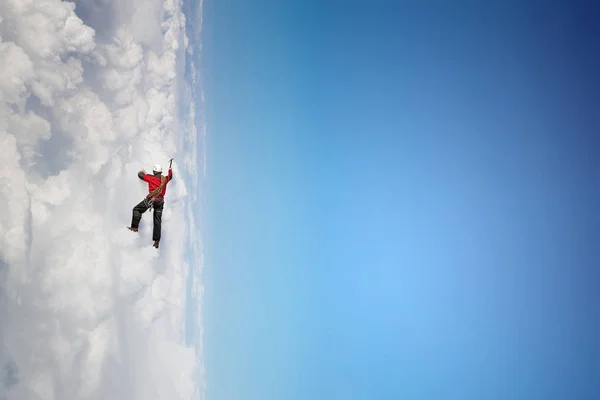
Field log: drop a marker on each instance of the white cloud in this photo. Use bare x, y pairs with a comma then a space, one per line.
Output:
88, 96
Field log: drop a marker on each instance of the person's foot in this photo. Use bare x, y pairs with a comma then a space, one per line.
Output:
155, 244
132, 229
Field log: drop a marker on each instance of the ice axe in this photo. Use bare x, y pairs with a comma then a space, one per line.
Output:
170, 162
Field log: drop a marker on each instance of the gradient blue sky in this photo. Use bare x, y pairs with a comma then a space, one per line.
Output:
402, 200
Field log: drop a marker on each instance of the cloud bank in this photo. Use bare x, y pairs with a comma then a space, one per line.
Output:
88, 96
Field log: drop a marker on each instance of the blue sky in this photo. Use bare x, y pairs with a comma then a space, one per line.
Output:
401, 200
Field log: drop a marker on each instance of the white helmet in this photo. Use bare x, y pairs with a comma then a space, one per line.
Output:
157, 169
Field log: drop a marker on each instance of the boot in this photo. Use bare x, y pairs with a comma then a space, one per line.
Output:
156, 244
132, 229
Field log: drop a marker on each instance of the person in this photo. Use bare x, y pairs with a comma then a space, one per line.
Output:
157, 188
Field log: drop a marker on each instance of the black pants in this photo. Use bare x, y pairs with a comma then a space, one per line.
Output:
141, 208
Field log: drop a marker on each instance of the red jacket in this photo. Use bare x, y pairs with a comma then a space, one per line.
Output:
154, 181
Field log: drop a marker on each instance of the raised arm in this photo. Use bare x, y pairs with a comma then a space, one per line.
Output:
170, 175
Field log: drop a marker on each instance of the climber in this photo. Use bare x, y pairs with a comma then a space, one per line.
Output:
157, 187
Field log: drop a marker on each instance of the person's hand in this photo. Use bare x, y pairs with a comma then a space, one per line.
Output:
142, 171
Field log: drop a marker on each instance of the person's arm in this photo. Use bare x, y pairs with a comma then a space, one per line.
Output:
142, 175
170, 176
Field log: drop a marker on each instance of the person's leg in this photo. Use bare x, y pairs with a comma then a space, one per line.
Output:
138, 210
158, 209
